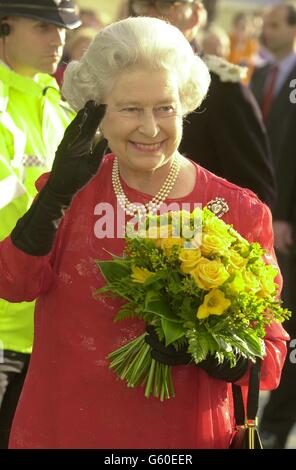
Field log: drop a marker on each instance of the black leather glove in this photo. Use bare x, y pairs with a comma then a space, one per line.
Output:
224, 371
74, 165
76, 162
165, 354
169, 356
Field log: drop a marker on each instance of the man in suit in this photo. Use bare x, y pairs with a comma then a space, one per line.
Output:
226, 134
272, 86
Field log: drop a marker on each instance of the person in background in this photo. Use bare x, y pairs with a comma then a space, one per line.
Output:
263, 55
32, 123
244, 45
272, 86
75, 46
90, 18
211, 7
137, 100
226, 135
78, 40
215, 41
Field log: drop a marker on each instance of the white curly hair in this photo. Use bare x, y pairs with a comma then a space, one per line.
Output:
143, 41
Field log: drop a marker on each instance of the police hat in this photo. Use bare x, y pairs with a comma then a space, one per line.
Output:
63, 13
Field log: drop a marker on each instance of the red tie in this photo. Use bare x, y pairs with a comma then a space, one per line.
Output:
268, 96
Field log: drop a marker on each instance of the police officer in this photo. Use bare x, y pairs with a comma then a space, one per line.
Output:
32, 122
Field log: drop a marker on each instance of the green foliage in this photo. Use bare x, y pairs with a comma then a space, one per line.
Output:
151, 278
114, 270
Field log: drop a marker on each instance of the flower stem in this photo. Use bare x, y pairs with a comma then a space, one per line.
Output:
150, 379
134, 364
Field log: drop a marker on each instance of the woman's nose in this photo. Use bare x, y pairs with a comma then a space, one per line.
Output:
149, 125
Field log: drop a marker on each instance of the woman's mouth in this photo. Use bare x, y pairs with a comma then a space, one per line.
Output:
147, 147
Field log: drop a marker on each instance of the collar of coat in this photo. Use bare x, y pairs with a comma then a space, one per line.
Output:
29, 86
226, 71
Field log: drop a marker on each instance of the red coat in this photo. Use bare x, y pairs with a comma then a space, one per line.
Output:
71, 399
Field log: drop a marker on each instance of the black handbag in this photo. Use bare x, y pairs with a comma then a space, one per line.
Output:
246, 434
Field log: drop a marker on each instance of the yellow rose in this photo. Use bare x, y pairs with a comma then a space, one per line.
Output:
166, 244
252, 282
162, 231
215, 303
236, 285
213, 244
140, 275
184, 225
236, 261
243, 248
189, 259
215, 226
209, 274
267, 283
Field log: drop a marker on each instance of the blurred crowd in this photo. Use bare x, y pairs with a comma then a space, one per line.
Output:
241, 43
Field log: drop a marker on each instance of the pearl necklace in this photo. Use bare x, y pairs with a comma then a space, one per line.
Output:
154, 204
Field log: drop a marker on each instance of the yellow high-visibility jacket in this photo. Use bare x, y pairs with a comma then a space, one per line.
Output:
32, 123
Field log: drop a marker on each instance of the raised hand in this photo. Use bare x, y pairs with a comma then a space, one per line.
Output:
76, 160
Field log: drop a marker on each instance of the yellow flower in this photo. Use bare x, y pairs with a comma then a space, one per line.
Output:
209, 274
236, 285
243, 248
236, 261
213, 244
157, 233
215, 226
189, 259
162, 231
140, 275
166, 244
268, 285
215, 303
252, 283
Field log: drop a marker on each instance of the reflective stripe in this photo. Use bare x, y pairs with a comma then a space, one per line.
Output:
10, 189
19, 139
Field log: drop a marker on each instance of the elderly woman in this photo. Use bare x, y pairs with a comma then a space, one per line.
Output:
136, 82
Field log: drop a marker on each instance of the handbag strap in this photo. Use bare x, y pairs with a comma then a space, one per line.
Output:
253, 396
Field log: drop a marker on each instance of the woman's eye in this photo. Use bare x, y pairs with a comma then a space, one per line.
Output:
166, 109
131, 109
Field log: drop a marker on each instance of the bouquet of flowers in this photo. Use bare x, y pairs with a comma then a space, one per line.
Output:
202, 286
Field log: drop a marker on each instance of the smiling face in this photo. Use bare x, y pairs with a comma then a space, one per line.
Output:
143, 121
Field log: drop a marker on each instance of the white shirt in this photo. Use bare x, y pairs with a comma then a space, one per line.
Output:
285, 66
